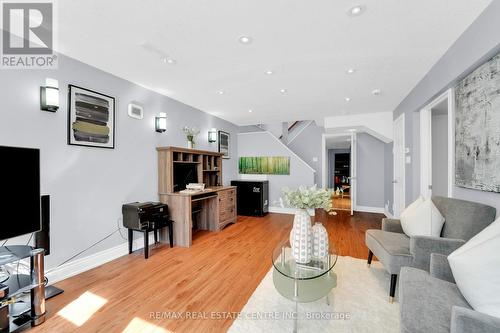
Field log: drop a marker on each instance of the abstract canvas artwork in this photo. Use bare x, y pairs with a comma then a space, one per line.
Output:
224, 139
266, 165
91, 118
477, 131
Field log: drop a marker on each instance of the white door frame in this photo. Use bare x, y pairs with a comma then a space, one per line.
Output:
353, 170
399, 201
324, 173
426, 143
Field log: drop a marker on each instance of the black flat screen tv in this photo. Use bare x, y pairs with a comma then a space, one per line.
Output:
184, 173
19, 191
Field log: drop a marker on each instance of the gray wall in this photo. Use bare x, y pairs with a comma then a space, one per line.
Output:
370, 171
476, 45
265, 144
371, 164
89, 185
440, 155
308, 146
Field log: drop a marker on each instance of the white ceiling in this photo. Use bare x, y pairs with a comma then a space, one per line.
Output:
308, 44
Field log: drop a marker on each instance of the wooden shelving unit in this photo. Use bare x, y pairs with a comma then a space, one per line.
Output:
208, 166
211, 209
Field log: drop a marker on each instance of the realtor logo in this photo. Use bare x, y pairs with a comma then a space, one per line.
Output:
28, 35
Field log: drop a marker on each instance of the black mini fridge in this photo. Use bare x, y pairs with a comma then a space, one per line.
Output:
252, 197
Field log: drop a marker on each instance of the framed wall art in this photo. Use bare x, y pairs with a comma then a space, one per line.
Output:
91, 118
224, 144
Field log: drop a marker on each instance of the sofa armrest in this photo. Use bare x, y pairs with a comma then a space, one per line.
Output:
421, 248
466, 320
440, 268
392, 225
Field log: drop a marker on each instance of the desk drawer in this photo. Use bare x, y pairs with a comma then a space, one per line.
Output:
227, 195
226, 212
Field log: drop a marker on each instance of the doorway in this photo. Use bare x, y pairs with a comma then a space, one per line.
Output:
339, 168
436, 147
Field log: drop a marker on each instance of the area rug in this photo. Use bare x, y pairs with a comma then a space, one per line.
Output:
359, 303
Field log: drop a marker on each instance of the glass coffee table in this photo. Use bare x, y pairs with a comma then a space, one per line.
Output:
303, 283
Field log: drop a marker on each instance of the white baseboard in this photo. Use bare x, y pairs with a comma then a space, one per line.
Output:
81, 265
282, 210
367, 209
388, 214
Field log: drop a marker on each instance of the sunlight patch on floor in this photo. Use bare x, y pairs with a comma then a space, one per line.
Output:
82, 308
142, 326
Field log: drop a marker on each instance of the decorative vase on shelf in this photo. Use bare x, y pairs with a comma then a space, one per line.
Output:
301, 237
190, 144
320, 241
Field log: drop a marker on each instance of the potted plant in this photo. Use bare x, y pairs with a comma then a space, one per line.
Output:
308, 241
191, 133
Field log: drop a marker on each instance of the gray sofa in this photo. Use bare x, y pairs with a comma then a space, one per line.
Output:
433, 303
463, 220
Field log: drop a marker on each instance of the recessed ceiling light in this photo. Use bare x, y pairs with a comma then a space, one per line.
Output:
351, 71
221, 92
283, 91
356, 10
250, 111
269, 72
168, 60
245, 40
376, 92
352, 130
347, 99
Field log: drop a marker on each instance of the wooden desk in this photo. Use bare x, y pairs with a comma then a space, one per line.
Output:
218, 209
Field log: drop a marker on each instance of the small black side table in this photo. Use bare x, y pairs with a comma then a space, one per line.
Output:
154, 227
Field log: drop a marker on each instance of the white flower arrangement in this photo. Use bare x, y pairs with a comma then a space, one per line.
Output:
191, 133
309, 198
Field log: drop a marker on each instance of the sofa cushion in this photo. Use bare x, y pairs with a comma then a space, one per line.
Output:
423, 219
391, 248
426, 302
476, 269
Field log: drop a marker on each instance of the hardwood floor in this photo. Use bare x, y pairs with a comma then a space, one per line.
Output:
341, 203
217, 274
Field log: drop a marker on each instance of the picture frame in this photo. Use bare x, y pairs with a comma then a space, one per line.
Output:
224, 141
91, 118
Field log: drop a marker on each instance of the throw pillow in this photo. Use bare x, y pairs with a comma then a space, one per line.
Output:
411, 207
423, 219
476, 269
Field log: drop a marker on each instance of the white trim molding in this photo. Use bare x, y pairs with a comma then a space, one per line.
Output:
81, 265
426, 144
367, 209
296, 133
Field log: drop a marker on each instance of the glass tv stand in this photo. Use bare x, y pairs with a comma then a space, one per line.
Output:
22, 296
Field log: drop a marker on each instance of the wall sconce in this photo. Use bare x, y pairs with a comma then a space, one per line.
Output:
49, 96
161, 122
212, 135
